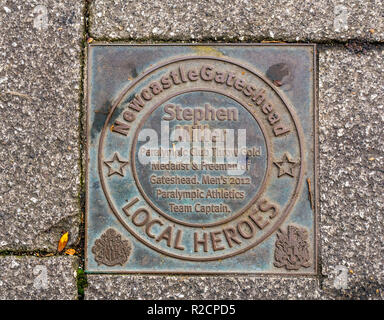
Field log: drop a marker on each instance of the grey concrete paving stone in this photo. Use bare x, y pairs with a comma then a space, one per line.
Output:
32, 278
108, 287
286, 20
351, 121
40, 46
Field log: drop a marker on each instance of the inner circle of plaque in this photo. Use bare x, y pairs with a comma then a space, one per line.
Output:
287, 201
256, 174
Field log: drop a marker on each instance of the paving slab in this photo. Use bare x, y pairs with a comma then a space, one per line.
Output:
32, 278
351, 142
40, 76
108, 287
351, 121
242, 20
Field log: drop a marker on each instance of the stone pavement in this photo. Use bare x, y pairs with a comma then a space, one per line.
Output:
40, 173
242, 20
42, 50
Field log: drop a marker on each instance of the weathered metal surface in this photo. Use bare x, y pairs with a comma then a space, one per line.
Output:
201, 159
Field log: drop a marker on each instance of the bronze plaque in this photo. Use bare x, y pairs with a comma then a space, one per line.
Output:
201, 159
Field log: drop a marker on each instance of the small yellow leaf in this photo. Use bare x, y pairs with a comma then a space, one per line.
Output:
71, 252
62, 242
49, 254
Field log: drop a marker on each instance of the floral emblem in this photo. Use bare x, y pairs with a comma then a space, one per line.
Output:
111, 249
292, 249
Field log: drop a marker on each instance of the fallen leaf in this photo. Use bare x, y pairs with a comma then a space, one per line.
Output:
62, 242
49, 255
71, 252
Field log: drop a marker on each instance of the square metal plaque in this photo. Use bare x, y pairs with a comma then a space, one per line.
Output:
201, 159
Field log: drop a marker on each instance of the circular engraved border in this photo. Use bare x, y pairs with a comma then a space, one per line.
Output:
282, 216
165, 215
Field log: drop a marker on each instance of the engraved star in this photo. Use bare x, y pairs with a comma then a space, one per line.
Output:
114, 163
286, 166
